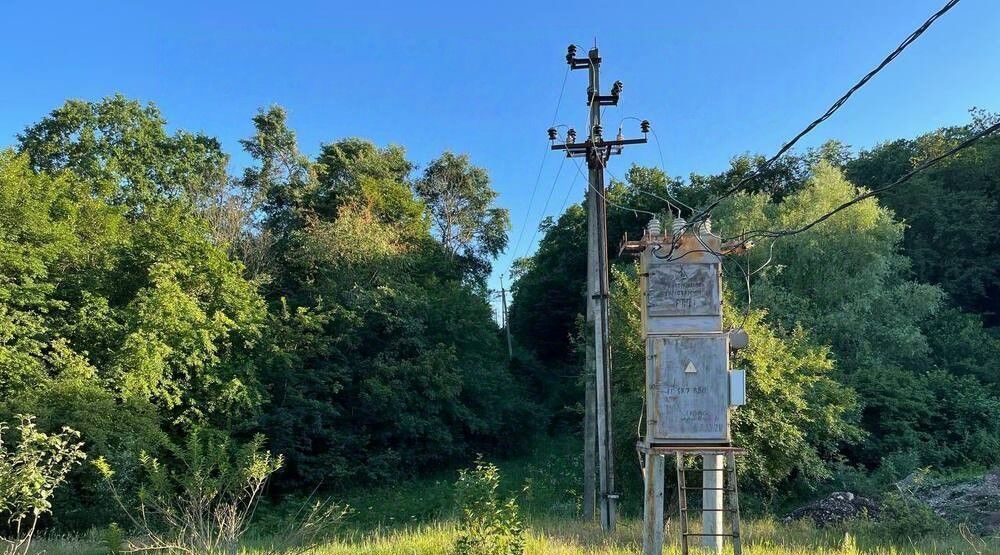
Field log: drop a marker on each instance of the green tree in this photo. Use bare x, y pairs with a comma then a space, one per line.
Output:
378, 349
950, 211
121, 328
355, 170
848, 282
121, 148
283, 179
461, 206
551, 278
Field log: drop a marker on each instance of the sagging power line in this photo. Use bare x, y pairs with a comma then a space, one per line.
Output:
774, 234
705, 212
538, 177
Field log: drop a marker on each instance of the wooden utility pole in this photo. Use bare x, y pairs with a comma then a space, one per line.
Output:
597, 152
506, 325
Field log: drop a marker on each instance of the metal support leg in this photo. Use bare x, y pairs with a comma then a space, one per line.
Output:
682, 509
734, 502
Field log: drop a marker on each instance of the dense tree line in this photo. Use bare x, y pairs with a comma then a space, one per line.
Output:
336, 304
868, 340
950, 211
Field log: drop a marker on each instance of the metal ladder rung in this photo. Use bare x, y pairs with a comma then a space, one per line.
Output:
729, 486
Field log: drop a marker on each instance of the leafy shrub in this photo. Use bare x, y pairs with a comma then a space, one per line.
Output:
488, 525
113, 539
113, 429
872, 483
29, 474
205, 503
905, 516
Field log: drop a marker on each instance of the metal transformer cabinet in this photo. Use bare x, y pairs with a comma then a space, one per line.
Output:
690, 389
687, 351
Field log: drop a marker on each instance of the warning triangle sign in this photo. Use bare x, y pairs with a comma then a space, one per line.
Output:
690, 368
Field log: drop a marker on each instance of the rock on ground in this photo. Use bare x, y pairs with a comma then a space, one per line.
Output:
836, 507
975, 502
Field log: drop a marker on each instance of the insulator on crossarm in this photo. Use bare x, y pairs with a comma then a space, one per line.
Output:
644, 126
571, 136
679, 225
706, 226
570, 53
654, 228
553, 134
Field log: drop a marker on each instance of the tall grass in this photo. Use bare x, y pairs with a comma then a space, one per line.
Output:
564, 536
418, 518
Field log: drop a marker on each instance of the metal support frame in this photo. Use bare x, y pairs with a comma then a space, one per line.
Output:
653, 475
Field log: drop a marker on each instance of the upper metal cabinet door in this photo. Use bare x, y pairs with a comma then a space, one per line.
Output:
683, 289
683, 297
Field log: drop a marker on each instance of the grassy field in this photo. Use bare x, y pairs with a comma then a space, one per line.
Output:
571, 537
418, 518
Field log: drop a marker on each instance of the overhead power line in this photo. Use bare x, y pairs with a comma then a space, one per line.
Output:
830, 111
744, 238
774, 234
569, 191
565, 200
541, 166
605, 198
545, 207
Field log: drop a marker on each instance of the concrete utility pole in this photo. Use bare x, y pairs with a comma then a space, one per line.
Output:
711, 500
590, 383
597, 152
506, 326
598, 244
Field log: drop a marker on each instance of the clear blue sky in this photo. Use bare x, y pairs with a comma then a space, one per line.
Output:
716, 78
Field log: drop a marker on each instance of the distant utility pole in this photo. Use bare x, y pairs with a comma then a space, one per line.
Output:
597, 152
506, 326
